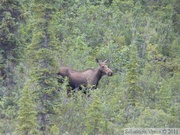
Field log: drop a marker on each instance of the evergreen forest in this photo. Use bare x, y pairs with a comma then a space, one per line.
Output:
141, 40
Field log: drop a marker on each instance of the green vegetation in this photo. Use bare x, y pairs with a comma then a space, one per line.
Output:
141, 39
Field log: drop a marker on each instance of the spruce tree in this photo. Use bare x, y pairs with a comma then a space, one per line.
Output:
27, 114
133, 89
11, 51
94, 117
42, 52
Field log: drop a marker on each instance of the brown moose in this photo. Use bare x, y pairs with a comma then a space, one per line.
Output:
85, 79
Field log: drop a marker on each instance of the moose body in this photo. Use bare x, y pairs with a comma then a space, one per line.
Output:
88, 78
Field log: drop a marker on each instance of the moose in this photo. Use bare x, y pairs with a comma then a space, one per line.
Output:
85, 79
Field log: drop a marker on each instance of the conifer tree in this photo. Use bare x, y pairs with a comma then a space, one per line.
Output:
133, 90
27, 121
10, 54
9, 48
42, 53
94, 117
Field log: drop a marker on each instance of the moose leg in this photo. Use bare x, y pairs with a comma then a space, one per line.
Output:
69, 89
91, 88
68, 93
77, 88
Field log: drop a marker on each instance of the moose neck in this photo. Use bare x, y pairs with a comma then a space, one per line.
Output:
99, 74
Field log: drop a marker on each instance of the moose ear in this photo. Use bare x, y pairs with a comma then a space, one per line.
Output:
106, 61
97, 60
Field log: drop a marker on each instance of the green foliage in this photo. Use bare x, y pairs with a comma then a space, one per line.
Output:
140, 39
94, 117
152, 118
27, 121
133, 90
